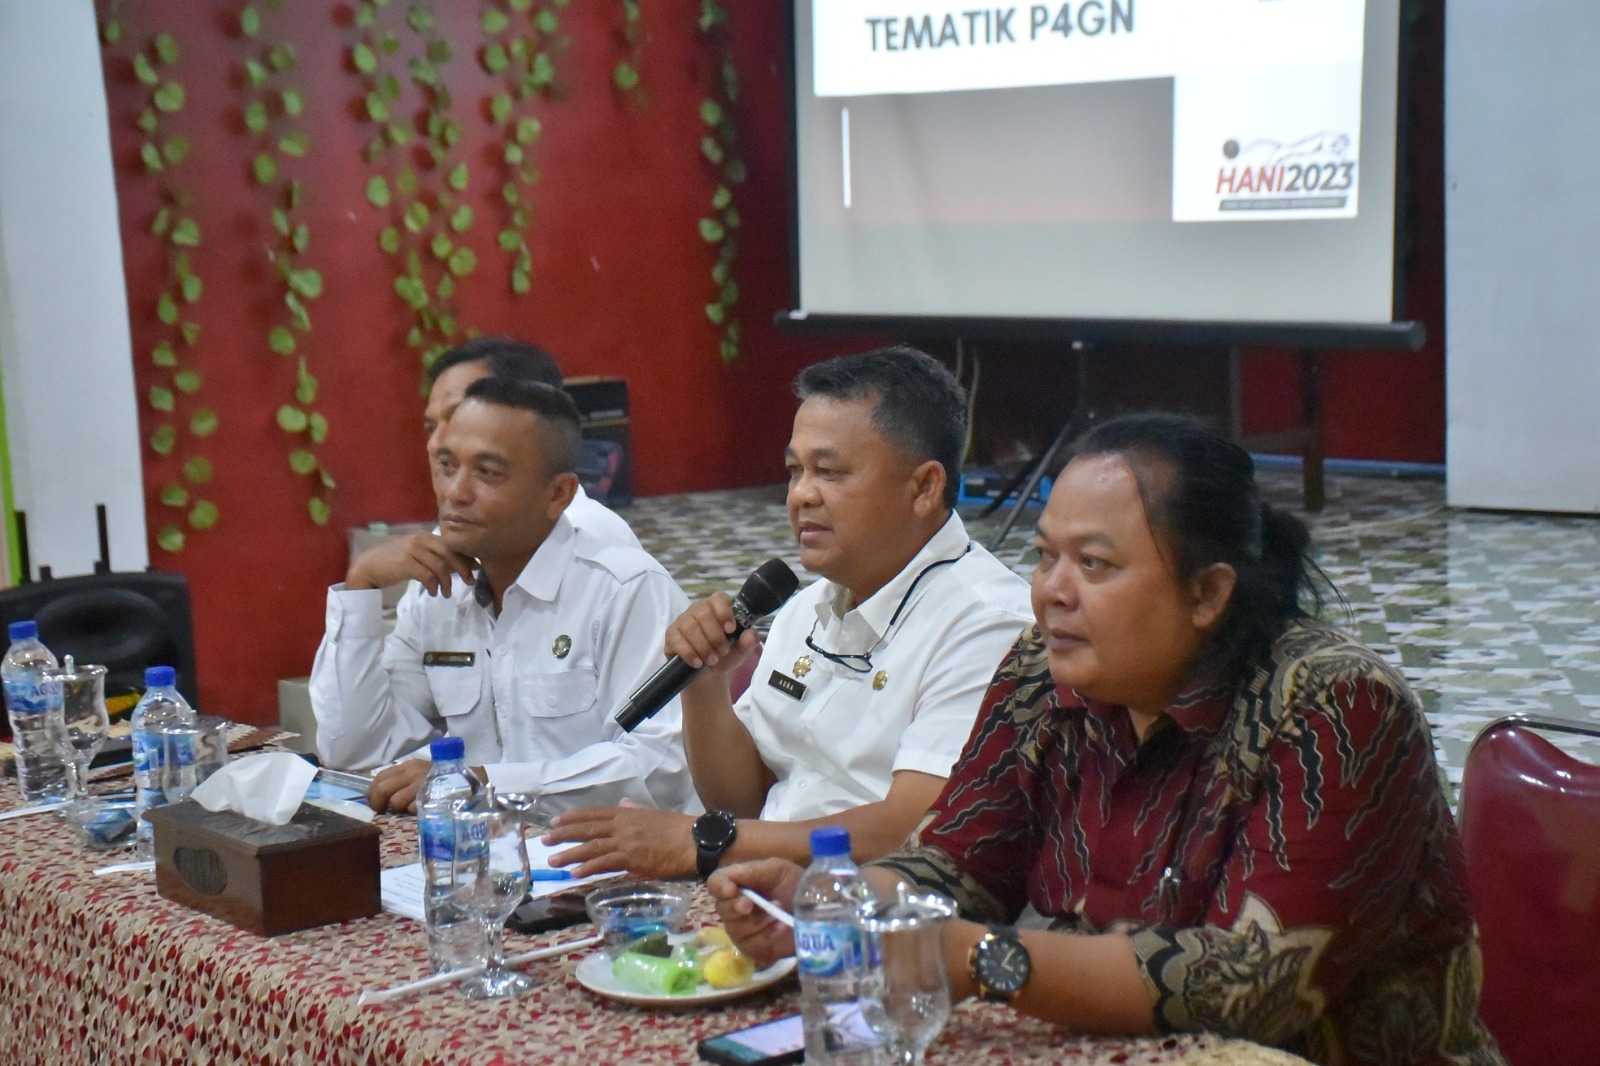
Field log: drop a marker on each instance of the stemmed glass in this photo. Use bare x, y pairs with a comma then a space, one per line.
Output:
905, 992
490, 879
77, 727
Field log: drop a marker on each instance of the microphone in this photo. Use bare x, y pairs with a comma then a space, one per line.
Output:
764, 591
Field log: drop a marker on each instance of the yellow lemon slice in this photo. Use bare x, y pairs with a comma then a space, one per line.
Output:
729, 968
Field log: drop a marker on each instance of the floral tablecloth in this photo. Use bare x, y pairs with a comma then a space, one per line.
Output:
100, 969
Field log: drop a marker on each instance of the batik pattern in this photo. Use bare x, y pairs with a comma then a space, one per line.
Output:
1279, 851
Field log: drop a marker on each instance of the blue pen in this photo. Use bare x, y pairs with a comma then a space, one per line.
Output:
552, 875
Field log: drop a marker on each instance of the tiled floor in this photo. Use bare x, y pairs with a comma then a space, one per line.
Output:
1486, 613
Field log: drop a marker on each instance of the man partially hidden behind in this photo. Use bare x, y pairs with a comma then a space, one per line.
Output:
423, 557
871, 678
527, 657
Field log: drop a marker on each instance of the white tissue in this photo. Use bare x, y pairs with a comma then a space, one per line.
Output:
267, 787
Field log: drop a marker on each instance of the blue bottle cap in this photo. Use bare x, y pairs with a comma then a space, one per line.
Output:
448, 749
830, 840
160, 676
23, 630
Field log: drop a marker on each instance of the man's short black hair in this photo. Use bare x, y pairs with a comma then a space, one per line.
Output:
507, 358
918, 406
563, 439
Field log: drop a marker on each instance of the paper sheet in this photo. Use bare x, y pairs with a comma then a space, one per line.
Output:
402, 886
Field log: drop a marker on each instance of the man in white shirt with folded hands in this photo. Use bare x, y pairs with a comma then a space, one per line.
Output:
545, 632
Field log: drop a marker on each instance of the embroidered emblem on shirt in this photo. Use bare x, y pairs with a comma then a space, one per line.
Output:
787, 685
561, 646
802, 666
880, 679
448, 658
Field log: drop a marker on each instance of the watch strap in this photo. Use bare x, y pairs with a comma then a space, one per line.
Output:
708, 855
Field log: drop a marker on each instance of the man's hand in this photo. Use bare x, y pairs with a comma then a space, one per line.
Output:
421, 557
758, 934
641, 840
700, 635
395, 789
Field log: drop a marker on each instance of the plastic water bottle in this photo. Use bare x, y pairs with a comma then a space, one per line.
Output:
831, 951
40, 771
455, 938
162, 705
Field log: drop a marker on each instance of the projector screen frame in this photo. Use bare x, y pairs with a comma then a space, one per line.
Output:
1397, 335
1402, 336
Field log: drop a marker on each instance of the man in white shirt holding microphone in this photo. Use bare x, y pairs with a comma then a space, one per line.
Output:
870, 679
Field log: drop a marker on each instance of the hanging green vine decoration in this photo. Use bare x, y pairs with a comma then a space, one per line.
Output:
625, 76
274, 103
523, 56
174, 393
433, 222
718, 146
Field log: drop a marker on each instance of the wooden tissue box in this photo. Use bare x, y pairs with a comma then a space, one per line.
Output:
319, 869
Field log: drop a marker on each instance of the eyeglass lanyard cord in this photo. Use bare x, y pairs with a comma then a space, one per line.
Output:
894, 618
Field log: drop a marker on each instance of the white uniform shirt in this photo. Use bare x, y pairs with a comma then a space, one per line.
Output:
591, 515
586, 515
837, 745
532, 692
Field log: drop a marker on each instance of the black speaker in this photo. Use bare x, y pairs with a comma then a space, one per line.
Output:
124, 622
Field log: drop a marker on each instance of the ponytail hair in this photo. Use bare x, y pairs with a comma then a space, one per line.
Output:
1200, 497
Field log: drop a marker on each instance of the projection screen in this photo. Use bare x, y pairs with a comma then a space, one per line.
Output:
1190, 161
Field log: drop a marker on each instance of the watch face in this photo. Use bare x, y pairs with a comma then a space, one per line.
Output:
1003, 966
713, 831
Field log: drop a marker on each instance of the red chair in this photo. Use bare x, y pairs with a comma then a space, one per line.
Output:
1530, 825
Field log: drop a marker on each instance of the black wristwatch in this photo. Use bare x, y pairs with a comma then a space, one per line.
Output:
713, 833
999, 965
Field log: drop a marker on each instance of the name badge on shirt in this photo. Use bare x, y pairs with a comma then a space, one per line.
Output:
448, 658
787, 685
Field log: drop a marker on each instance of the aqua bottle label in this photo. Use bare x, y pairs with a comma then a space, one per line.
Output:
146, 754
32, 696
827, 949
437, 832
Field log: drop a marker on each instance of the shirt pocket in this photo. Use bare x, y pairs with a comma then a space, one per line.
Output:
556, 694
456, 689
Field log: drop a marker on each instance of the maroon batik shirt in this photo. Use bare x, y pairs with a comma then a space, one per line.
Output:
1280, 853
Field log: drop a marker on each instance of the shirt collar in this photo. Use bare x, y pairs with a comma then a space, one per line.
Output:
541, 578
1201, 706
948, 543
1198, 710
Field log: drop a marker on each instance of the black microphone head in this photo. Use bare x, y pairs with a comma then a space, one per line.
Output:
768, 587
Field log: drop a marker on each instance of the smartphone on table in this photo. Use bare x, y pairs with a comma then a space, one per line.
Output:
783, 1040
544, 913
768, 1044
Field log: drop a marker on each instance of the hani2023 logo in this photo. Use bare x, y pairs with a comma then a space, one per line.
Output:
1315, 172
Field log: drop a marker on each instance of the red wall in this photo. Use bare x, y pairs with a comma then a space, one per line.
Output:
620, 278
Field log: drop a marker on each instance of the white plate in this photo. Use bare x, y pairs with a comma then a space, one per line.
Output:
594, 973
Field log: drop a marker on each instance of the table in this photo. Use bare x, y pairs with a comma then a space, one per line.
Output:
102, 969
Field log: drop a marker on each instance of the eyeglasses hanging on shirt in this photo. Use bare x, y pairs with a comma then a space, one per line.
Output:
862, 663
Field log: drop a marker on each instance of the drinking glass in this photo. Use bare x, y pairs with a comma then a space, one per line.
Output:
77, 729
905, 992
190, 753
525, 805
490, 879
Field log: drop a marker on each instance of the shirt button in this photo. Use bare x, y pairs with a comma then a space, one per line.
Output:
551, 700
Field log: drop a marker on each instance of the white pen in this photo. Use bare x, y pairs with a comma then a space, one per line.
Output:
767, 905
